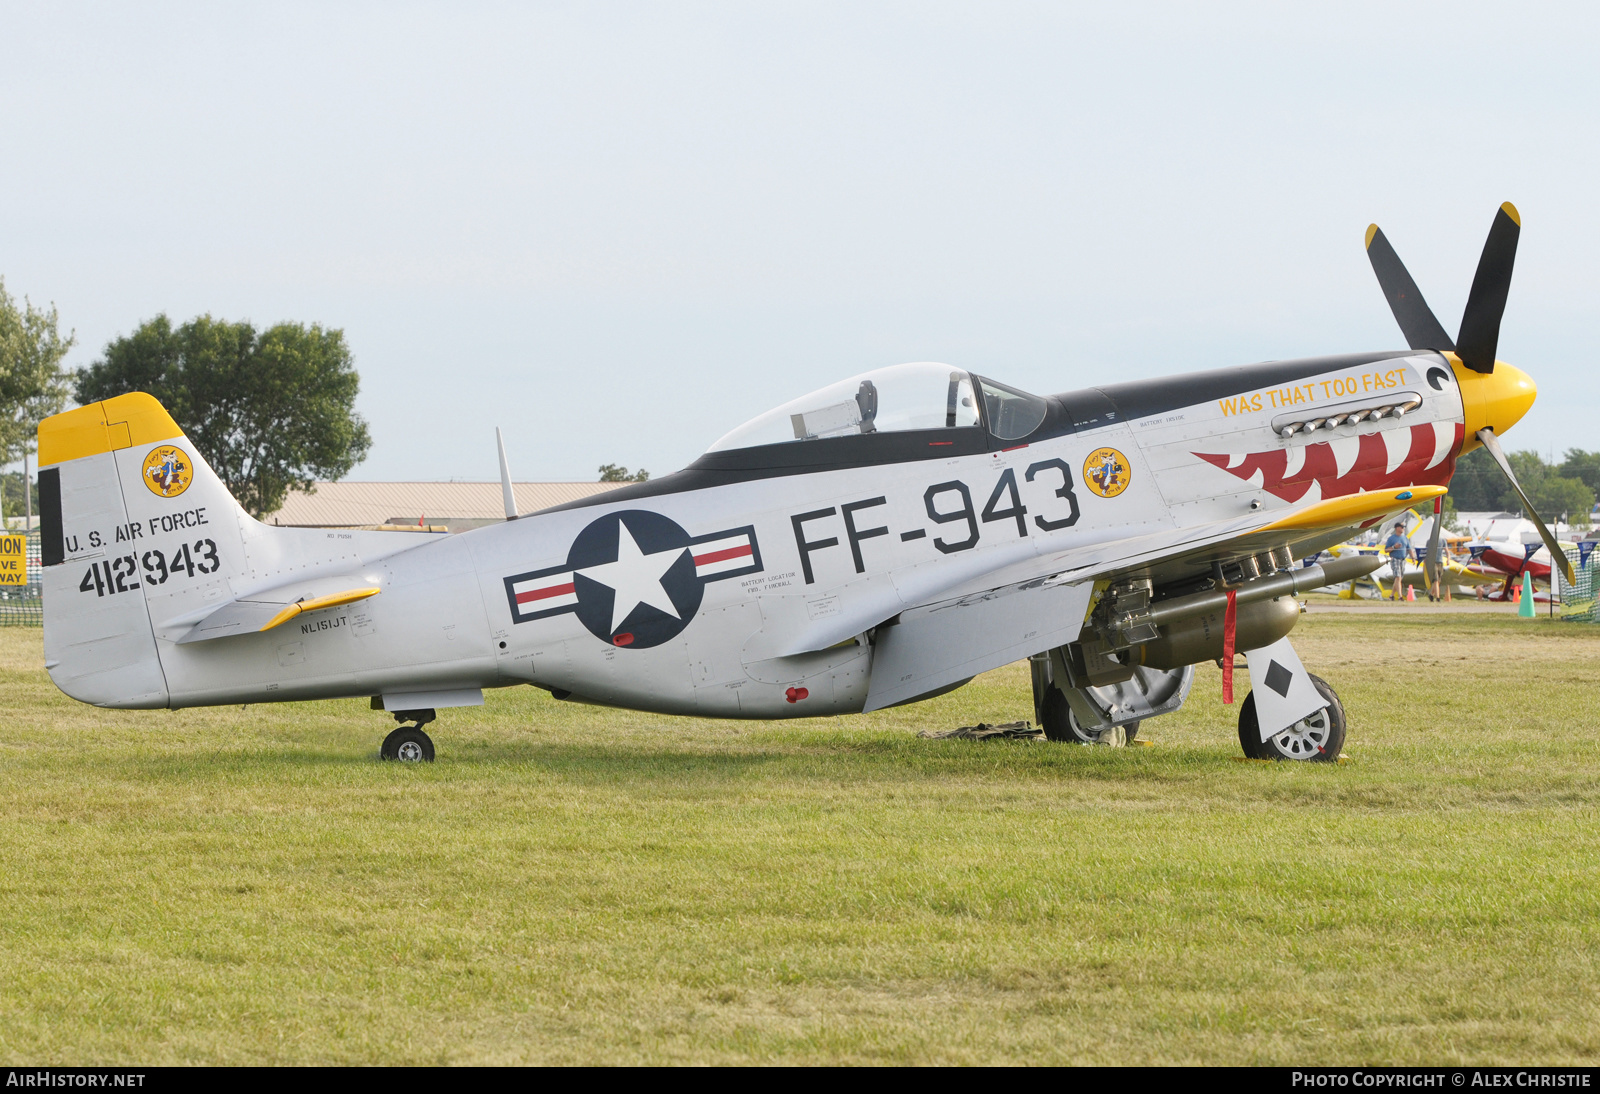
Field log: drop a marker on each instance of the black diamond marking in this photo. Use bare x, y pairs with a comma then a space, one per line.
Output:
1278, 679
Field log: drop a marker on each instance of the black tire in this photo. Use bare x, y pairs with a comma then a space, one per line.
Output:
1055, 716
1250, 729
408, 744
1059, 723
1318, 739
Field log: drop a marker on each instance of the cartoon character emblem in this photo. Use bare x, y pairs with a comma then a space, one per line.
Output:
1106, 472
634, 578
168, 471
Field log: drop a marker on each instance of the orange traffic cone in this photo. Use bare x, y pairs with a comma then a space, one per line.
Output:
1411, 593
1516, 594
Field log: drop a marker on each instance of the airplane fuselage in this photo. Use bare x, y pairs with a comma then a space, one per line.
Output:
745, 585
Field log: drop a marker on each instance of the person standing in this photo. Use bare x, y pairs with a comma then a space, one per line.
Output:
1441, 578
1396, 547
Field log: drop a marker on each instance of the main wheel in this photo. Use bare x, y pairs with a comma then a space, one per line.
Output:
1060, 724
408, 744
1318, 737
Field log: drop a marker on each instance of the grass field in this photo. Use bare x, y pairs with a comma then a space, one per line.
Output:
571, 884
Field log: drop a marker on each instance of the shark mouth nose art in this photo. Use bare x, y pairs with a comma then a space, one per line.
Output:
1422, 455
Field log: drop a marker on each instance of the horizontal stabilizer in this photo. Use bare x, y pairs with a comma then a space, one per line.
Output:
269, 608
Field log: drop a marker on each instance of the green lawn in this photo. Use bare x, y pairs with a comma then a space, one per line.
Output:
571, 884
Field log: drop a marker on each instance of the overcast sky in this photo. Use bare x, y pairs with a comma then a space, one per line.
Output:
619, 230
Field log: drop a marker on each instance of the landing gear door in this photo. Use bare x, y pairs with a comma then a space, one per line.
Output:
1282, 688
935, 646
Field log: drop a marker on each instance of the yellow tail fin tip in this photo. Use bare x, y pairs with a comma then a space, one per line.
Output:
121, 422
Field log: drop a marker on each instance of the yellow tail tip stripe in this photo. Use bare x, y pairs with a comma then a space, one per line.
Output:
121, 422
1510, 210
349, 596
1372, 230
1356, 508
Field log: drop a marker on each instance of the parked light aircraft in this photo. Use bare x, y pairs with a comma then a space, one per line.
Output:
1453, 562
1508, 547
873, 543
1379, 585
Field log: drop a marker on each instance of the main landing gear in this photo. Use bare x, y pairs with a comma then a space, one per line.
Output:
1317, 738
1060, 723
409, 744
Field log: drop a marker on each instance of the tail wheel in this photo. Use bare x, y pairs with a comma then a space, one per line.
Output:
408, 744
1318, 738
1060, 724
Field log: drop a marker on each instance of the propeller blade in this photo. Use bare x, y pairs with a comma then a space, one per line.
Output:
1434, 568
1480, 323
1557, 555
1416, 319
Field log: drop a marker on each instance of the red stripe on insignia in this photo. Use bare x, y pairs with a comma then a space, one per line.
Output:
545, 593
718, 556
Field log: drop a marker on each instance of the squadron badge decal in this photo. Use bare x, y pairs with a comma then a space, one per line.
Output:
634, 578
1106, 472
168, 471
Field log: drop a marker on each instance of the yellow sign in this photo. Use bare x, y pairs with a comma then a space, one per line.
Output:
13, 560
1106, 472
168, 471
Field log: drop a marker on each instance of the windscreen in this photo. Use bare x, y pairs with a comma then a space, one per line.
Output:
1012, 414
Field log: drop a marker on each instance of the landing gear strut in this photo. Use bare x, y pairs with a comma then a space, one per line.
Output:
1103, 714
409, 744
1059, 722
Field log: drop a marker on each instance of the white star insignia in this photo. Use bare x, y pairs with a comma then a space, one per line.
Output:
635, 577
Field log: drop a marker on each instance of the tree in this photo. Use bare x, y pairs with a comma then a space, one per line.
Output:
1531, 471
612, 472
33, 384
12, 501
1579, 464
271, 410
1557, 497
1477, 483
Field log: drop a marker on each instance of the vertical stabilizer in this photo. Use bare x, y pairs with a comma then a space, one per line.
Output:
129, 512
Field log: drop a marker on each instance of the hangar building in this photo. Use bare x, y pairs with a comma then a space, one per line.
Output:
453, 506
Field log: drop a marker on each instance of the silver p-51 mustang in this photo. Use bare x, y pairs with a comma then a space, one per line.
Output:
876, 542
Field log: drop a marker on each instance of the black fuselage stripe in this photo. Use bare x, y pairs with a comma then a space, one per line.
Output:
1132, 400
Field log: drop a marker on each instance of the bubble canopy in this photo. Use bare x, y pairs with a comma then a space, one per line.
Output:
918, 396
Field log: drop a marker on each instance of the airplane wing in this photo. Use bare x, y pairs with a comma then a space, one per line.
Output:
952, 639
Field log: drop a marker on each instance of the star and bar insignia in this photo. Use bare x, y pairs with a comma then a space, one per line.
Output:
634, 578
